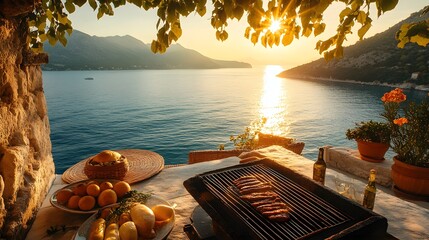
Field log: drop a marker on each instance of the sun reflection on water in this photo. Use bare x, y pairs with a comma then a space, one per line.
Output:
273, 104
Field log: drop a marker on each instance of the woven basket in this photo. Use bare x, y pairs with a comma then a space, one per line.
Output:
116, 171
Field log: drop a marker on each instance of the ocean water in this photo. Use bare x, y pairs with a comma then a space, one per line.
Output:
173, 112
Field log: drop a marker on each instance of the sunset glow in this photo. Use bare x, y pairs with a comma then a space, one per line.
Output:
275, 25
271, 104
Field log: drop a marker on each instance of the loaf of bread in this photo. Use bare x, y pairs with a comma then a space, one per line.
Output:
107, 164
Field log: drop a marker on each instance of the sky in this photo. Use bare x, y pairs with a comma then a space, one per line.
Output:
199, 35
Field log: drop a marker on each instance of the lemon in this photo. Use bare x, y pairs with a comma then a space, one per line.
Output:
144, 219
162, 212
128, 231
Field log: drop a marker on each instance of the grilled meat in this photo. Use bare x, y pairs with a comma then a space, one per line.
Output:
260, 195
271, 206
282, 217
256, 189
265, 201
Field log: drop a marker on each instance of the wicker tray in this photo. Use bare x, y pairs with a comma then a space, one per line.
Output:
143, 164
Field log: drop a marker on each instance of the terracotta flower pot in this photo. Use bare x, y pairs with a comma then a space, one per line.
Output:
410, 179
372, 151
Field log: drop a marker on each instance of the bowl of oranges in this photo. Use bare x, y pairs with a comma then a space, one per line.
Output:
88, 196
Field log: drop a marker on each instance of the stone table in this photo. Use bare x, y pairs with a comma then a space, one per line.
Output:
406, 220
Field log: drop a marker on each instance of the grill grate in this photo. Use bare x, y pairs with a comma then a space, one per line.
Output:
309, 213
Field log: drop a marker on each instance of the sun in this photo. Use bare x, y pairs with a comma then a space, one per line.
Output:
275, 25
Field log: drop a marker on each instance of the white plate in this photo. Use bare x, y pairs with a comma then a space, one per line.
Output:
54, 202
161, 232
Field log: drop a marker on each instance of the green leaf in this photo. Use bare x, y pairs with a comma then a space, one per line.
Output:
338, 52
70, 6
154, 46
100, 13
254, 38
420, 40
308, 30
201, 10
43, 37
176, 29
52, 40
224, 35
361, 18
79, 3
247, 32
344, 13
328, 55
93, 4
362, 31
287, 38
42, 26
63, 19
386, 5
62, 39
264, 41
238, 12
319, 28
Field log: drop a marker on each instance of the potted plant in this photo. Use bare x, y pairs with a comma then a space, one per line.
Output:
372, 139
409, 125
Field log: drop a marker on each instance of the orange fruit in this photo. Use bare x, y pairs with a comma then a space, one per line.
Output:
86, 203
92, 181
107, 197
73, 202
64, 195
80, 189
121, 188
106, 185
93, 190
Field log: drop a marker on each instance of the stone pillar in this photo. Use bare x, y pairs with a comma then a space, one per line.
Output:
26, 164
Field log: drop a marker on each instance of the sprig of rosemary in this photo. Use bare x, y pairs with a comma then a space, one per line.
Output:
125, 204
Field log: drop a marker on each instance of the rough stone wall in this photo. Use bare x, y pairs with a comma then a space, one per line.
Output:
26, 164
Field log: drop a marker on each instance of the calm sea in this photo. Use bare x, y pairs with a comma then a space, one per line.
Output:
173, 112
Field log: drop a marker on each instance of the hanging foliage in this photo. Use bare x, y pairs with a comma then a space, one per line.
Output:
295, 18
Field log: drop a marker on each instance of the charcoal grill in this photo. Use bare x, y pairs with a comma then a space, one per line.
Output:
316, 211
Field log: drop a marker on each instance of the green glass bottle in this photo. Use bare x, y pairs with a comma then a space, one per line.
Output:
319, 168
370, 190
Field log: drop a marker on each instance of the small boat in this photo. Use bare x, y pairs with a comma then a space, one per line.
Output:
89, 78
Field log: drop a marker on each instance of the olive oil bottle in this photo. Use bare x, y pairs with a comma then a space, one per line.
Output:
319, 168
370, 190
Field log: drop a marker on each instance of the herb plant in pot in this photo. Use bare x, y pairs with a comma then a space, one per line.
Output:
409, 126
372, 139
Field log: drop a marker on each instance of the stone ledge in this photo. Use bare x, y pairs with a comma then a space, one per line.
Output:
348, 160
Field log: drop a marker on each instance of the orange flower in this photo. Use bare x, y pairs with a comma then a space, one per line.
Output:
400, 121
395, 95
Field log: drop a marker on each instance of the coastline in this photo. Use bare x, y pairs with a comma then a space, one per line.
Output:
376, 83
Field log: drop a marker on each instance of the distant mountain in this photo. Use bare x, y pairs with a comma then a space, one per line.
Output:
85, 52
376, 59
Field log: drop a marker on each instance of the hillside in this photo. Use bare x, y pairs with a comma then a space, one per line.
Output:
85, 52
375, 59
